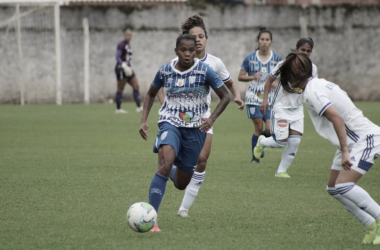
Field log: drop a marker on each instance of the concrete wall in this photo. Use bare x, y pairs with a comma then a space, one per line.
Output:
346, 45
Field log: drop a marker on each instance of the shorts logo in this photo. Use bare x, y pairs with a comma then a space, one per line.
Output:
180, 82
186, 116
163, 135
282, 123
352, 158
191, 79
375, 157
252, 110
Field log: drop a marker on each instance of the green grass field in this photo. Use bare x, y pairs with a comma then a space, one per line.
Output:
68, 175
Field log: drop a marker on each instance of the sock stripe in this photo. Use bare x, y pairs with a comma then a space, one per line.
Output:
198, 177
332, 192
344, 189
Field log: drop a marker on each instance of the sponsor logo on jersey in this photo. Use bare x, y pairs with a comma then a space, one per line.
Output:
163, 135
180, 82
282, 123
199, 72
192, 79
330, 85
165, 72
186, 116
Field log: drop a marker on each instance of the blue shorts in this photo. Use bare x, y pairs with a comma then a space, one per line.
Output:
121, 75
253, 111
186, 142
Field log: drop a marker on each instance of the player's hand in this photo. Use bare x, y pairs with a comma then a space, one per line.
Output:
264, 106
258, 75
346, 163
206, 124
144, 130
127, 70
240, 103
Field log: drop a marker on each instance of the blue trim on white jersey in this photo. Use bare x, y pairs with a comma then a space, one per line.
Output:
351, 134
204, 58
324, 108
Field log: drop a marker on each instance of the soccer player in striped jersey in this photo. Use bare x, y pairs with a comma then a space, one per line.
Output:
182, 121
339, 121
255, 69
125, 73
286, 115
195, 26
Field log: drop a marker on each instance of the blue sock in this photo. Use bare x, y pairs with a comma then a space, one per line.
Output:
157, 190
136, 96
118, 99
174, 168
254, 141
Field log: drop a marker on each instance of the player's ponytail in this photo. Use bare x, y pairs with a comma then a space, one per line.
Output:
191, 22
295, 71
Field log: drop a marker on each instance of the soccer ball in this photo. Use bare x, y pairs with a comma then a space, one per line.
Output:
141, 217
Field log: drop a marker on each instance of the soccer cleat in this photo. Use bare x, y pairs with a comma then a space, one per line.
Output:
183, 214
155, 228
121, 111
376, 241
370, 233
259, 149
139, 109
254, 160
282, 175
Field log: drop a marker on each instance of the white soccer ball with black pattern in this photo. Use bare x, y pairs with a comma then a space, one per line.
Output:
141, 217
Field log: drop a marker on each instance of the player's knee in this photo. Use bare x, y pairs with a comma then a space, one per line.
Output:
202, 162
180, 185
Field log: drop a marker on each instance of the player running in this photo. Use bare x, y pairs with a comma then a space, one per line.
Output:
339, 121
258, 65
125, 73
182, 122
286, 115
195, 26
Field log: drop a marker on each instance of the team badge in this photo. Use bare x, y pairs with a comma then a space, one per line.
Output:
180, 82
191, 79
264, 70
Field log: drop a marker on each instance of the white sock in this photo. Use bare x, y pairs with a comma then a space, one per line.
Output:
351, 207
289, 153
270, 142
192, 190
360, 197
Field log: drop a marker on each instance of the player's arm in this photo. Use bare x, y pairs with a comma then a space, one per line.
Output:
161, 96
243, 77
148, 102
224, 97
235, 92
267, 87
333, 116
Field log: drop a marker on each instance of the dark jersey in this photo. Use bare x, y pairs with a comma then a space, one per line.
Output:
124, 53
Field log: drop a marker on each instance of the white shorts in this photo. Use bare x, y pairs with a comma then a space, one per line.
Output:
363, 154
280, 127
210, 131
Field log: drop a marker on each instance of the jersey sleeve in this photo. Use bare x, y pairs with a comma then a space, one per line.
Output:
317, 101
212, 79
158, 81
245, 64
274, 70
223, 72
315, 71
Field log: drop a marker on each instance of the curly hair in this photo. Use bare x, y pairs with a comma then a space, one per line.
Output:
191, 22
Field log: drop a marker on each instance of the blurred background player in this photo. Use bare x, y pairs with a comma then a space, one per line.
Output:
255, 69
338, 120
125, 73
182, 125
286, 115
195, 26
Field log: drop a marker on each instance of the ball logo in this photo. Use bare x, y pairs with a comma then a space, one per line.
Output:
282, 123
163, 135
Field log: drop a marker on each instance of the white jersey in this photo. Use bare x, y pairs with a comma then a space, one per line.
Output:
186, 93
220, 69
288, 105
319, 94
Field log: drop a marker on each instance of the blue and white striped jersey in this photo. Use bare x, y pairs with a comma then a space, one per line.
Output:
186, 93
253, 64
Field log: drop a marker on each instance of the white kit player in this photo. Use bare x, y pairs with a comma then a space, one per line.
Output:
286, 115
194, 26
339, 121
